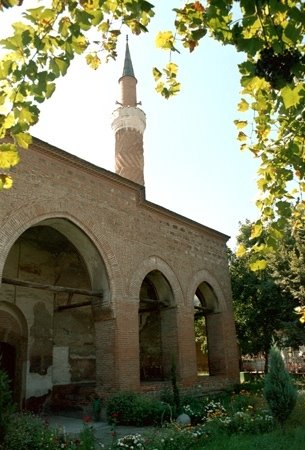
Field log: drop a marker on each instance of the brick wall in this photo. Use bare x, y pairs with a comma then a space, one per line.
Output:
132, 237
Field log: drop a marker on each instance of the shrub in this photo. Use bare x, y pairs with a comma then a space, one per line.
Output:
6, 406
86, 439
195, 410
175, 438
214, 410
131, 441
28, 432
248, 422
279, 389
129, 408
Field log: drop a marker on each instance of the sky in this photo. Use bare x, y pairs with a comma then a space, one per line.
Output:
193, 164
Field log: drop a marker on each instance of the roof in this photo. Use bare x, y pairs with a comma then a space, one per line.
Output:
128, 68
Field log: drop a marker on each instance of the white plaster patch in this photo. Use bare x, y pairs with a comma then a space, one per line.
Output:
61, 366
38, 385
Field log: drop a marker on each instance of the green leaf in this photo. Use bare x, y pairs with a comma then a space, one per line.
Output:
242, 136
9, 121
9, 156
292, 96
23, 139
291, 34
241, 251
93, 61
6, 181
243, 105
62, 65
79, 44
156, 74
257, 265
256, 230
165, 40
240, 124
33, 14
50, 89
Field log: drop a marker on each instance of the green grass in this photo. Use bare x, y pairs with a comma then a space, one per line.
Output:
293, 439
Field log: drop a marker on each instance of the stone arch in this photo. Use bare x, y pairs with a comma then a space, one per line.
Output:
208, 302
14, 336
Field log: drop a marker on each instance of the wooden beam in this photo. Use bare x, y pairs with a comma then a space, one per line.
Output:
153, 301
72, 305
53, 288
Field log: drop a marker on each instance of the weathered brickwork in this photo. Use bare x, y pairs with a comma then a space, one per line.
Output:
119, 238
99, 288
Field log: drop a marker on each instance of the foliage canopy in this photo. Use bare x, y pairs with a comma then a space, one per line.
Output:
269, 33
265, 301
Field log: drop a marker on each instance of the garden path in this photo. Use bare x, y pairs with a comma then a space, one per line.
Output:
102, 430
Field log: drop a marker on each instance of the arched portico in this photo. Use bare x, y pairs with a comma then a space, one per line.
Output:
157, 328
65, 326
207, 299
128, 322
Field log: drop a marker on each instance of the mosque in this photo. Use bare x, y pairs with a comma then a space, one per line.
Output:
100, 289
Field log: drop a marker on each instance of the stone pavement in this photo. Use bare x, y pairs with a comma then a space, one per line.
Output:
102, 430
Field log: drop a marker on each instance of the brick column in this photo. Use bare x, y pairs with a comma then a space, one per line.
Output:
127, 345
105, 343
216, 348
169, 341
187, 350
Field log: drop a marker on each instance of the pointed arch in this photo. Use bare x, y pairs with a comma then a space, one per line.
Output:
205, 277
52, 214
151, 264
156, 289
208, 303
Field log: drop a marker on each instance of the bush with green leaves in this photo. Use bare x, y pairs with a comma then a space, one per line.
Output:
130, 408
195, 410
279, 389
26, 431
248, 421
6, 404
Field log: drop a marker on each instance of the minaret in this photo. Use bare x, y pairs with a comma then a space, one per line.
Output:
129, 124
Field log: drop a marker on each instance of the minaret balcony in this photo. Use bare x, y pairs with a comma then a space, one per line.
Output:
128, 117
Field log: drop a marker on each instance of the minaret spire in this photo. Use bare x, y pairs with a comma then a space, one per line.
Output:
128, 81
129, 124
128, 68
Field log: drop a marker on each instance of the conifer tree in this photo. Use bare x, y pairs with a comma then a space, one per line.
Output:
279, 389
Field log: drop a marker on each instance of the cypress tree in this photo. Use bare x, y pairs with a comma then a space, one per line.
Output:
279, 389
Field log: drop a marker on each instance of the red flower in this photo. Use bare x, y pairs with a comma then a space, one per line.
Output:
87, 419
